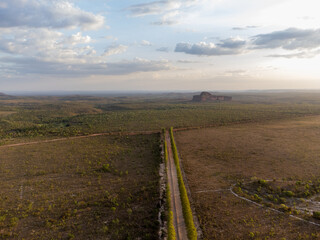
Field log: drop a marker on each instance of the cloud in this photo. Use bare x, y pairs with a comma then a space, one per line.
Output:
78, 39
46, 14
24, 66
154, 8
113, 38
186, 61
244, 28
168, 19
235, 73
232, 43
165, 22
163, 49
168, 9
289, 39
303, 43
303, 54
228, 46
145, 43
115, 49
47, 45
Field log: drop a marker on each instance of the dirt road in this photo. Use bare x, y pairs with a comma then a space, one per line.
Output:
77, 137
178, 220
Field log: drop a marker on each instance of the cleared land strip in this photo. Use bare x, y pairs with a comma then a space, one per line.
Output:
178, 219
83, 136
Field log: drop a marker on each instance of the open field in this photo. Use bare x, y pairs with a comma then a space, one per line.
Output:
5, 113
103, 187
106, 186
285, 152
51, 117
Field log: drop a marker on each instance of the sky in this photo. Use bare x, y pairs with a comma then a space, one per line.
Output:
161, 45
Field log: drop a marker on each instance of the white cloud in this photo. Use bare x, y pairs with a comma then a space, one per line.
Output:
163, 49
145, 43
46, 45
164, 22
115, 49
154, 8
113, 38
169, 10
289, 39
46, 14
168, 18
302, 43
303, 54
78, 39
23, 66
244, 28
228, 46
187, 61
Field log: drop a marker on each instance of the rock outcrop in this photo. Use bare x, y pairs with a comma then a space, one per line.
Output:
208, 97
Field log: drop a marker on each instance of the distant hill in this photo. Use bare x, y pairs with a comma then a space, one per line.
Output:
4, 96
208, 97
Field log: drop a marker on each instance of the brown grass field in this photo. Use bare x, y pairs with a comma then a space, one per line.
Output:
92, 188
216, 158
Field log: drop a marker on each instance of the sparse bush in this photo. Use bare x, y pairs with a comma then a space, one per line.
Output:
285, 208
257, 198
262, 182
289, 193
296, 212
282, 200
106, 168
270, 197
316, 215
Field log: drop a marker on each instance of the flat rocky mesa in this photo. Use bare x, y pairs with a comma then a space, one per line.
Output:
208, 97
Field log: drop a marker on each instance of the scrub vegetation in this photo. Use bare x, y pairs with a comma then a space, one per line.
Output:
263, 145
275, 164
51, 117
102, 187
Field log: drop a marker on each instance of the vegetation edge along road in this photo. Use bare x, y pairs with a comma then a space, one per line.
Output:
186, 208
178, 217
171, 232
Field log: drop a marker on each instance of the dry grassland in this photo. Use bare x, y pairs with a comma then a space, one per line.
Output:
216, 158
93, 188
5, 113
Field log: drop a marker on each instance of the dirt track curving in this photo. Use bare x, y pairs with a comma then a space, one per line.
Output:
178, 220
77, 137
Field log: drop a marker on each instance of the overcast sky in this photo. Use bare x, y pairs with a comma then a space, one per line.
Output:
159, 45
